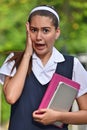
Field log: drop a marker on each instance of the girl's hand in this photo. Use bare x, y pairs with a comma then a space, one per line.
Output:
46, 116
28, 49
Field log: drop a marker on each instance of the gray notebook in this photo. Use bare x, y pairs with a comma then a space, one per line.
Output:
62, 99
60, 94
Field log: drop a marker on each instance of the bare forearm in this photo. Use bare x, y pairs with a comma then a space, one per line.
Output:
79, 117
14, 87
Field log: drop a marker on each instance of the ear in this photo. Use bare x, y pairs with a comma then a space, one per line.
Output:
57, 33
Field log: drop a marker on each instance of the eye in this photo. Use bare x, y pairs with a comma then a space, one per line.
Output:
33, 30
45, 30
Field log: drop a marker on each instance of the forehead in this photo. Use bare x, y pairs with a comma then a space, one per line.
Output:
38, 20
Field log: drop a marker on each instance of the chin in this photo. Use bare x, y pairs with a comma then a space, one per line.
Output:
40, 52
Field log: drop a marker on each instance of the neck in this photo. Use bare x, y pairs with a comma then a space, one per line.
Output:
45, 58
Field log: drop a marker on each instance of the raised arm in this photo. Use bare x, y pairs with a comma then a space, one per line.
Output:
13, 86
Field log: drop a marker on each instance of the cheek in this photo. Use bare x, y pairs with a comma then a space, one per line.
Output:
51, 39
32, 36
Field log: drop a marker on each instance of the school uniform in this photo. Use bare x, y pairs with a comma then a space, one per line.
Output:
36, 84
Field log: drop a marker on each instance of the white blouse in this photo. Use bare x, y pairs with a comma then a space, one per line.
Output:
45, 73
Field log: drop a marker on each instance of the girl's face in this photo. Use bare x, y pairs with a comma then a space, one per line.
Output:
43, 35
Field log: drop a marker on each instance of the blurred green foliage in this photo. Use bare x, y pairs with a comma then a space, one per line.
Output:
14, 14
73, 23
5, 108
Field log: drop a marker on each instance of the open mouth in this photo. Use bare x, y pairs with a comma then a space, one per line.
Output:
40, 46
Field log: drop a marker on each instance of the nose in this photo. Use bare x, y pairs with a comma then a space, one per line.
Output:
39, 35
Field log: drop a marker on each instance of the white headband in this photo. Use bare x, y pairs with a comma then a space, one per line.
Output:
45, 8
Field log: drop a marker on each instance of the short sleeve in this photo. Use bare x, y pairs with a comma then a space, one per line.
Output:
5, 69
80, 76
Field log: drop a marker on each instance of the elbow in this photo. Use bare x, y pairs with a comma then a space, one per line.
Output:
10, 99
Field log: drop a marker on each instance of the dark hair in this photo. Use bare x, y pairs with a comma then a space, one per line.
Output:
17, 58
47, 14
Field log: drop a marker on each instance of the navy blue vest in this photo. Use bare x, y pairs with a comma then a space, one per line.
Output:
21, 111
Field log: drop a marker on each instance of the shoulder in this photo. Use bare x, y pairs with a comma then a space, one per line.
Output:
5, 69
77, 64
9, 56
80, 76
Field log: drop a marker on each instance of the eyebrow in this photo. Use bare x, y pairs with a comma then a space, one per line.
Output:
41, 27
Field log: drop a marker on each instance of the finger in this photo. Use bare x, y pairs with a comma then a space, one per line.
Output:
42, 111
27, 29
39, 112
37, 116
27, 26
37, 120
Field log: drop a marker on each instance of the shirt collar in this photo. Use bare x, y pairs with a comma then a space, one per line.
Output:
57, 56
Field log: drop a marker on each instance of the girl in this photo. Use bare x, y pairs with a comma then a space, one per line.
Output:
26, 75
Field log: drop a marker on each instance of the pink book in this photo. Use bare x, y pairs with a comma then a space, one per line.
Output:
60, 94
